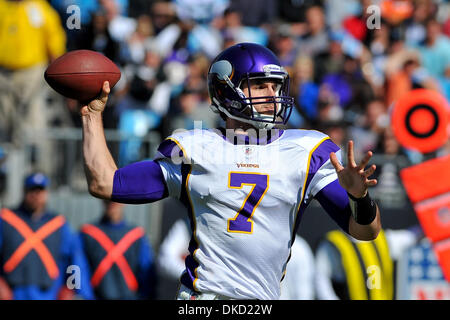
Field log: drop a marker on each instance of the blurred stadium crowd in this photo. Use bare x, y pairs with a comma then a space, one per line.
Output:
347, 66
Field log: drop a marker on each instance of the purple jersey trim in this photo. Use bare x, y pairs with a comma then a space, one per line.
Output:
334, 199
140, 182
318, 158
188, 277
166, 148
321, 155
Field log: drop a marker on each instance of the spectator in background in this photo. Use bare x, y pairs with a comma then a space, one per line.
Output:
337, 11
185, 37
355, 24
444, 82
415, 32
434, 52
235, 29
369, 128
396, 12
390, 187
349, 86
141, 80
328, 106
200, 11
144, 103
410, 76
120, 257
378, 45
87, 8
305, 90
337, 131
293, 12
140, 39
256, 13
197, 69
285, 46
98, 38
32, 37
163, 14
136, 8
316, 39
188, 107
37, 247
401, 82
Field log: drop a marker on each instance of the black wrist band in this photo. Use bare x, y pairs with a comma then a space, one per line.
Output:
364, 210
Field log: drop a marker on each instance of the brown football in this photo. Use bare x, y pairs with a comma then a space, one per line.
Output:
80, 74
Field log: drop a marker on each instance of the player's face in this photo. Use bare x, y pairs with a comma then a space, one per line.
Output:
262, 88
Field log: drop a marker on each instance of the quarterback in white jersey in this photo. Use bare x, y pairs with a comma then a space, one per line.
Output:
246, 186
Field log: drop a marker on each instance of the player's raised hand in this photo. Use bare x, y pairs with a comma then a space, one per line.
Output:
353, 177
98, 104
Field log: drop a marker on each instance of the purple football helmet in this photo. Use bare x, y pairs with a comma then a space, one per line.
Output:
239, 64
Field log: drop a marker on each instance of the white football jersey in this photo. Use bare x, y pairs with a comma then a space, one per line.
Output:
245, 203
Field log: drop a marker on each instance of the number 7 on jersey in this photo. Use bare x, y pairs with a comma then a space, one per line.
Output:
242, 221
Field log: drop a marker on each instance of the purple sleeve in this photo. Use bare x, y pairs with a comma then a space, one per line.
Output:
140, 182
334, 199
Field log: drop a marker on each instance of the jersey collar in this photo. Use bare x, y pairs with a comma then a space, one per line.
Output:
262, 137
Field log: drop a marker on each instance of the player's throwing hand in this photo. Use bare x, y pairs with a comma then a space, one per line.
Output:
97, 105
354, 178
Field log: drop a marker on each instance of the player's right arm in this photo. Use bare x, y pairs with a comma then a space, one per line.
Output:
140, 182
99, 165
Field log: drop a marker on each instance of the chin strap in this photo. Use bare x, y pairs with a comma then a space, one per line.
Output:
256, 124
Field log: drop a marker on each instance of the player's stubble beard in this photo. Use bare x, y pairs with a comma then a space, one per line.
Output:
245, 128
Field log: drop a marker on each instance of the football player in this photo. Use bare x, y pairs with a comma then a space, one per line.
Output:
247, 186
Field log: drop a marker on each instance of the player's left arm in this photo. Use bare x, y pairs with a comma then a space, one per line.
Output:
364, 223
